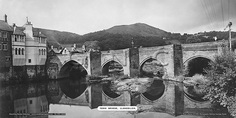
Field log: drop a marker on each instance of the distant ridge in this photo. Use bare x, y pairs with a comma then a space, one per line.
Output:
137, 29
120, 37
56, 38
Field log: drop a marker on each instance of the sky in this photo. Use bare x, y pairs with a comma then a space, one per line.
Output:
85, 16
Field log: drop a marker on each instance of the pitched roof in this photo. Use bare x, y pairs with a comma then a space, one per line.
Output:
19, 31
5, 26
36, 32
55, 50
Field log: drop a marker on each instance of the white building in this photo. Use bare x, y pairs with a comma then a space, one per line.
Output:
18, 46
29, 48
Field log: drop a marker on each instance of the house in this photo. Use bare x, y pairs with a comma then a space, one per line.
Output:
28, 50
5, 49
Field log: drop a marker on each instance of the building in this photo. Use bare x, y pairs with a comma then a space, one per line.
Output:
30, 99
5, 49
28, 51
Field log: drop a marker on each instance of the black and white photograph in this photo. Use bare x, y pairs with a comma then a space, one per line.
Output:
117, 59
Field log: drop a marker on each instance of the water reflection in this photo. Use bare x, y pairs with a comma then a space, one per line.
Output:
35, 98
46, 97
73, 88
24, 98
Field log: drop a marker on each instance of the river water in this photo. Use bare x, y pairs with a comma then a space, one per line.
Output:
41, 100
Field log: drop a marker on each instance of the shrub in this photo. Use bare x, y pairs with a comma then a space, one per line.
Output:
221, 87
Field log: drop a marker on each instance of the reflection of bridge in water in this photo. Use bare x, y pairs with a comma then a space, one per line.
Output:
165, 96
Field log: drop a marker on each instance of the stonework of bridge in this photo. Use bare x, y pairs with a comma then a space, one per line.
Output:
206, 50
132, 59
174, 58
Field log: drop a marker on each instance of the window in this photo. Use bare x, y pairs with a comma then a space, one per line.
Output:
0, 34
39, 51
23, 51
8, 58
43, 40
15, 51
19, 51
15, 37
30, 101
0, 46
4, 34
23, 38
29, 60
5, 47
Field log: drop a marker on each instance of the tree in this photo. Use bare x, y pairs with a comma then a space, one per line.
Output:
94, 45
221, 87
193, 39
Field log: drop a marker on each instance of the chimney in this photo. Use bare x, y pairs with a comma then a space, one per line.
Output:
14, 27
5, 18
52, 47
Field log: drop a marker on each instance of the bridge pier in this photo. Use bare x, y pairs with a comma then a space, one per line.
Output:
95, 63
134, 62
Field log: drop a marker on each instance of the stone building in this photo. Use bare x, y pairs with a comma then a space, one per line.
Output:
28, 50
5, 49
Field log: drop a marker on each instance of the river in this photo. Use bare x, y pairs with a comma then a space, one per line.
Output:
41, 100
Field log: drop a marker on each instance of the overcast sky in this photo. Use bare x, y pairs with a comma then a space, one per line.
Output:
84, 16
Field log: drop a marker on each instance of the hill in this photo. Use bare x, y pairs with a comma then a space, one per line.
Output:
138, 29
120, 37
113, 41
56, 38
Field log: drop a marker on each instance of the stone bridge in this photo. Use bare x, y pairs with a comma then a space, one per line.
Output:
172, 57
168, 96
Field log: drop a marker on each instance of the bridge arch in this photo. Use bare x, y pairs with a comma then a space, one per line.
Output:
143, 61
73, 88
108, 65
72, 69
157, 67
195, 71
108, 68
196, 65
155, 92
193, 57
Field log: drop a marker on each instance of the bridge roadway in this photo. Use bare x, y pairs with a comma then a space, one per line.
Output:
174, 58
